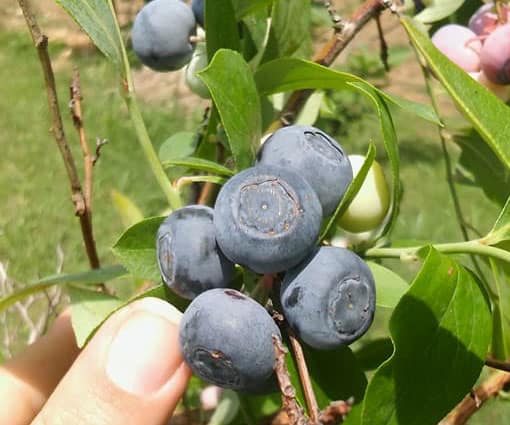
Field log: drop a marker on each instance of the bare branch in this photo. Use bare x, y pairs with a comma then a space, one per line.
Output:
341, 38
290, 405
473, 401
99, 145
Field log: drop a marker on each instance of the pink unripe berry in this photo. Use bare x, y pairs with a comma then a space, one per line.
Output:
460, 45
495, 55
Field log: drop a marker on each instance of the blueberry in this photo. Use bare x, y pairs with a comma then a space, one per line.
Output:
267, 218
329, 299
315, 156
226, 339
188, 257
198, 9
161, 33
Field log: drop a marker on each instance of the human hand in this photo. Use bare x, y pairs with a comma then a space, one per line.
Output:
131, 372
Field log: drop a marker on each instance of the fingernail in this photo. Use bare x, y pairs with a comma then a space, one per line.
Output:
144, 353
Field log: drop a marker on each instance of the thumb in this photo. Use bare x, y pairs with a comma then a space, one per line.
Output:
130, 372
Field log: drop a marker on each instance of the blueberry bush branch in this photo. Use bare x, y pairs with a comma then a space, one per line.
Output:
77, 196
473, 402
476, 247
342, 36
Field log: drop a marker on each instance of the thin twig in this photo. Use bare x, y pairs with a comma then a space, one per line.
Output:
382, 44
76, 113
325, 56
473, 401
77, 196
497, 364
304, 377
290, 405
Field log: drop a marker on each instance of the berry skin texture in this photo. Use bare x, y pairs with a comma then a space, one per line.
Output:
370, 205
189, 259
460, 45
329, 299
226, 339
314, 155
198, 7
495, 55
267, 218
161, 32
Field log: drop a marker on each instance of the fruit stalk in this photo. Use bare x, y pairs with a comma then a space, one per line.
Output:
476, 247
128, 92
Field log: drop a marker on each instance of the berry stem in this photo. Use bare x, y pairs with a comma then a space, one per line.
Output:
128, 92
304, 377
476, 247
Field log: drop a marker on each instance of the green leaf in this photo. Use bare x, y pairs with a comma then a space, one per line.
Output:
441, 329
501, 230
221, 24
136, 249
372, 353
128, 211
351, 191
438, 10
484, 110
246, 7
88, 310
178, 145
500, 347
391, 146
480, 166
199, 164
200, 179
310, 111
89, 277
290, 21
97, 19
233, 90
390, 287
289, 74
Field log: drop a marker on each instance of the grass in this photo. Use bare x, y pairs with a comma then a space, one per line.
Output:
36, 214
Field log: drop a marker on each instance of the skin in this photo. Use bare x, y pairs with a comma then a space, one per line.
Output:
267, 218
329, 299
198, 7
226, 338
315, 156
189, 259
53, 382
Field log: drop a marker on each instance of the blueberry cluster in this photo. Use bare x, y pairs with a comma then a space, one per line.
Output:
266, 218
162, 30
482, 49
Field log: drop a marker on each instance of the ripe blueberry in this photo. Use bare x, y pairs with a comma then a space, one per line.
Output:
460, 45
267, 218
189, 259
495, 55
161, 34
198, 10
329, 299
315, 156
226, 339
